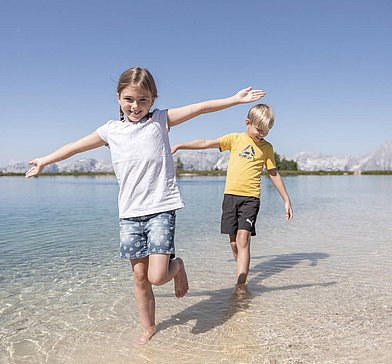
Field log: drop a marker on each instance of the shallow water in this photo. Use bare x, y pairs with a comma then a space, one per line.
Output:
320, 287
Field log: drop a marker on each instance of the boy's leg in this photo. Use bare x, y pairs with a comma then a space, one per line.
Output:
162, 270
240, 246
243, 255
248, 209
144, 297
233, 244
229, 221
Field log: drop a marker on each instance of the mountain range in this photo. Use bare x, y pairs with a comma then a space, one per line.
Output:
378, 160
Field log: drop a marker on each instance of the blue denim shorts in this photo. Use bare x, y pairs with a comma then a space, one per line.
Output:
146, 235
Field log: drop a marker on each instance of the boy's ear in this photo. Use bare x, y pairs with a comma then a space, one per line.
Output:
247, 122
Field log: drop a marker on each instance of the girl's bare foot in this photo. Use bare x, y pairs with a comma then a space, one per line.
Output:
181, 280
146, 335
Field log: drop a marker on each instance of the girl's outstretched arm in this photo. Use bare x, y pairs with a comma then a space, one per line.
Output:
88, 142
179, 115
196, 144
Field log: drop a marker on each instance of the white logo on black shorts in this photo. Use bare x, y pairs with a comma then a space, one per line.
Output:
250, 222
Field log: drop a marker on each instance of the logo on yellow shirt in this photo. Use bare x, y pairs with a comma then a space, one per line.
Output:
248, 153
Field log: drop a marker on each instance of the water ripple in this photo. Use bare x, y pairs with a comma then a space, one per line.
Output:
320, 288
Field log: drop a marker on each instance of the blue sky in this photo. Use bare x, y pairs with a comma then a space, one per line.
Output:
325, 65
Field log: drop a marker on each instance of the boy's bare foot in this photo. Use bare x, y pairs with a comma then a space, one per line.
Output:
146, 335
181, 280
241, 290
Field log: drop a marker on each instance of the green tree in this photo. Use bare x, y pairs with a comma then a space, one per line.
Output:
277, 160
179, 164
285, 164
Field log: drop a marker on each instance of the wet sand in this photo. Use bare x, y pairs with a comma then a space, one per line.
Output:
300, 310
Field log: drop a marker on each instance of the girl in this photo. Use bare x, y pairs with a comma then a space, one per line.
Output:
148, 195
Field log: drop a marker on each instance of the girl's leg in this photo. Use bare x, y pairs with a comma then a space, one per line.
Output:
145, 299
162, 270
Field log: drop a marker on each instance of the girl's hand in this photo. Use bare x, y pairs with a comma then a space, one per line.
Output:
249, 95
174, 148
36, 169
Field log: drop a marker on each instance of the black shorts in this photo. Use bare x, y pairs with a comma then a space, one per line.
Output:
239, 213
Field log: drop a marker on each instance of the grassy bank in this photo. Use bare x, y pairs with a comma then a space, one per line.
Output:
288, 173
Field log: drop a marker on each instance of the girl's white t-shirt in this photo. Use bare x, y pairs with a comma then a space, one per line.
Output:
143, 164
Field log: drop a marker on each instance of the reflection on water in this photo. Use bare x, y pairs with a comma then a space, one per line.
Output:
319, 286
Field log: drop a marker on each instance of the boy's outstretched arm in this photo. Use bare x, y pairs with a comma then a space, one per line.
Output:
179, 115
196, 144
281, 188
88, 142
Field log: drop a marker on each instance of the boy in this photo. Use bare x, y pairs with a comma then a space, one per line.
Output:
249, 154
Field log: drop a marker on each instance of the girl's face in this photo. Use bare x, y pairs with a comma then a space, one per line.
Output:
135, 102
255, 132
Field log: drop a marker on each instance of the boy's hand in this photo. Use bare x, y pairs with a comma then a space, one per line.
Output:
249, 95
174, 148
36, 169
289, 211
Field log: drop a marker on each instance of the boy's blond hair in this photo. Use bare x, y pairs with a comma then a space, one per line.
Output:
262, 116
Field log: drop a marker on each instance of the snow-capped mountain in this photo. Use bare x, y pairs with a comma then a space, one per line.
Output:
380, 160
85, 165
80, 165
201, 160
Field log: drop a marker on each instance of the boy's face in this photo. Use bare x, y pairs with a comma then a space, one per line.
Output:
255, 132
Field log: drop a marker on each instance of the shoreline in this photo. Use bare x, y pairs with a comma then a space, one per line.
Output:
212, 173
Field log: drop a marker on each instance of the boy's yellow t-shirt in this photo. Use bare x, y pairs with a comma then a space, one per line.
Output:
246, 163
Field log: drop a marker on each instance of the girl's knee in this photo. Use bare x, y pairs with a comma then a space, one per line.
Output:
156, 279
140, 277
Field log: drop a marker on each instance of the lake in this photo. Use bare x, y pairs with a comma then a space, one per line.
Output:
321, 288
